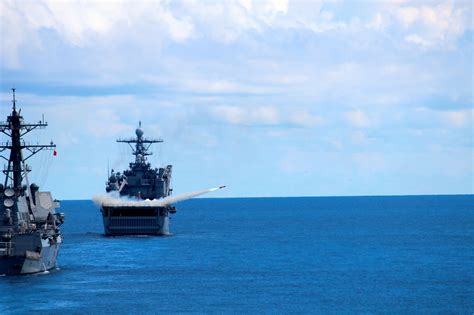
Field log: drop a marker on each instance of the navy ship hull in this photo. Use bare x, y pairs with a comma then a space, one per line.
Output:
135, 220
30, 236
18, 257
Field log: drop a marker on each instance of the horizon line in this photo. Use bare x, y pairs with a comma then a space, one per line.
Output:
327, 196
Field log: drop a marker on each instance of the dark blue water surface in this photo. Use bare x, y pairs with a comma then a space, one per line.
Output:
265, 255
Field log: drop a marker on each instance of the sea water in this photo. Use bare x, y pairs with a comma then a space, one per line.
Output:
404, 254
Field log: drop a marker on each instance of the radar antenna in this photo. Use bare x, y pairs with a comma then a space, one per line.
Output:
15, 129
140, 150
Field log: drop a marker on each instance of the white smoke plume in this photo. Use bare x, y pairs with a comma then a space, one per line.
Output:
114, 199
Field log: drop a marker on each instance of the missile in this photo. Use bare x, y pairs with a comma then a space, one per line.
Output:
214, 189
181, 197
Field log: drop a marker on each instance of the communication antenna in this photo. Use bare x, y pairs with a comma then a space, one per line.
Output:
14, 100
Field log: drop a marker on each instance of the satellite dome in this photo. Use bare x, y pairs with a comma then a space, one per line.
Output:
139, 132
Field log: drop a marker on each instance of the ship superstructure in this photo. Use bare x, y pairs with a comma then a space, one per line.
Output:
29, 224
140, 182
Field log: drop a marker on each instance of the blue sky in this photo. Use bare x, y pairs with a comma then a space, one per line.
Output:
272, 98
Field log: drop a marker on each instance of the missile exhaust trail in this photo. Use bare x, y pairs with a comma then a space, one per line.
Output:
108, 200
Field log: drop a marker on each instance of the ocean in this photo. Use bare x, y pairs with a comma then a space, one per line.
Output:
338, 255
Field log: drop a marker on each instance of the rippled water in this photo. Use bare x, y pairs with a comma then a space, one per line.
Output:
265, 255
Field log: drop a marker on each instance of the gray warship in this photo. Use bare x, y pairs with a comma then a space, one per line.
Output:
139, 183
29, 223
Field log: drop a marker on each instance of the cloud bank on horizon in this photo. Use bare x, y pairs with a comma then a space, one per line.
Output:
270, 97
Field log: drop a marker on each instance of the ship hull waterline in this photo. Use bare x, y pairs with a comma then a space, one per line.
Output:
31, 262
145, 220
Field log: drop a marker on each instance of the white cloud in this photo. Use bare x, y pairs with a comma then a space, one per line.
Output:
105, 123
377, 23
265, 115
296, 162
85, 24
114, 25
358, 118
435, 25
334, 143
205, 85
417, 39
231, 114
369, 162
75, 117
458, 119
359, 138
424, 120
305, 119
75, 21
407, 15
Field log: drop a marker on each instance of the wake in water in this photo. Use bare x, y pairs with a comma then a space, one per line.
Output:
114, 199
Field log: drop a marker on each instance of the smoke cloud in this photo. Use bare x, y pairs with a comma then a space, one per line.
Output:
114, 199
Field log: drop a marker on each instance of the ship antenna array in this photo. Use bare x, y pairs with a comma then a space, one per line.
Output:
14, 100
14, 128
141, 145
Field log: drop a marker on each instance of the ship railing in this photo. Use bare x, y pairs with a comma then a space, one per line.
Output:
6, 248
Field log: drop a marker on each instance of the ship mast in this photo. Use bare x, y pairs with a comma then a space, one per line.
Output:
15, 129
141, 145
